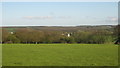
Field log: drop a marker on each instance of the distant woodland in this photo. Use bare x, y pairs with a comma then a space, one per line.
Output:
60, 34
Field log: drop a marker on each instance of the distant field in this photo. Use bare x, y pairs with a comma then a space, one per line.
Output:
60, 55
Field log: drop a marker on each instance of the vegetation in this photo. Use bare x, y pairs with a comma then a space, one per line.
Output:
58, 46
117, 34
60, 55
36, 35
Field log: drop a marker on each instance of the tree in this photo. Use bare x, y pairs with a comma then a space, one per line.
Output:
81, 37
117, 34
13, 39
52, 36
30, 36
5, 34
23, 35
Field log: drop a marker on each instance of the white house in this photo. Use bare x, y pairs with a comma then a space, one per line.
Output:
68, 35
11, 33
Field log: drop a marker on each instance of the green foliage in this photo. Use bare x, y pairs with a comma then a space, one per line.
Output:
13, 39
82, 37
67, 40
5, 34
27, 35
117, 34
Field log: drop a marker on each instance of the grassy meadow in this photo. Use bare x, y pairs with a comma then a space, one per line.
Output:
0, 54
60, 55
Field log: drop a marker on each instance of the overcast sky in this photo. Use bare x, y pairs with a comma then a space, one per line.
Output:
59, 13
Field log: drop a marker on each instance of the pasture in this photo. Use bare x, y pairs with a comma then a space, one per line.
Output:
60, 55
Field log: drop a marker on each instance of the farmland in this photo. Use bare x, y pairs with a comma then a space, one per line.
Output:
60, 55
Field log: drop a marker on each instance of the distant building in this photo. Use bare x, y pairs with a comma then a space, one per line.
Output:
63, 34
11, 32
68, 35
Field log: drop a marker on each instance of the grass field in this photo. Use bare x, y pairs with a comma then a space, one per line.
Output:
60, 55
0, 55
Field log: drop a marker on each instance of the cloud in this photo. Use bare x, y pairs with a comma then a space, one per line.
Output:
38, 17
46, 17
112, 19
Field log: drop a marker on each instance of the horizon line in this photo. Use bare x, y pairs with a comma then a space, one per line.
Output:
53, 25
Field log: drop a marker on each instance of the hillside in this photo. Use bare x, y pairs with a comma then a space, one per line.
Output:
63, 28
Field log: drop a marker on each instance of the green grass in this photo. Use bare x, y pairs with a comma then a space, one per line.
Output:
60, 55
0, 55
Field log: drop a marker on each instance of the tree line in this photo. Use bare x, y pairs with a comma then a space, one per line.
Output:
32, 36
